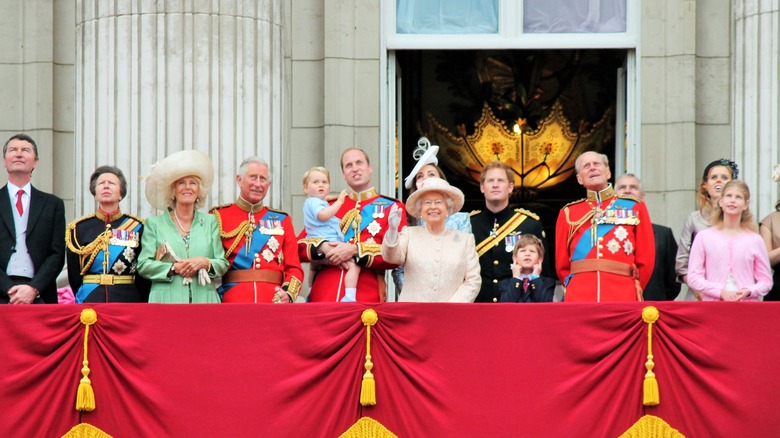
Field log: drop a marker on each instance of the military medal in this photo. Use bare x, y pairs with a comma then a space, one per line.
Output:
510, 241
494, 231
379, 211
374, 228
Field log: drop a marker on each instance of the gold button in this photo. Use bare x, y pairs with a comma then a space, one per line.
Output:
495, 300
495, 281
495, 262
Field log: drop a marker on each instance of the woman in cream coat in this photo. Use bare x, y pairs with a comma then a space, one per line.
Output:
181, 248
441, 264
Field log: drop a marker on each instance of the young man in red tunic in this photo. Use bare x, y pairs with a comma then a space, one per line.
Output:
259, 242
363, 219
604, 246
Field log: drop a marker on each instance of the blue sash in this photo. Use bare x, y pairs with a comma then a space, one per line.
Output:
114, 251
584, 244
246, 259
379, 204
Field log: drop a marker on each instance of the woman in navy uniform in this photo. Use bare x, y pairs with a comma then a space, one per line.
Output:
103, 247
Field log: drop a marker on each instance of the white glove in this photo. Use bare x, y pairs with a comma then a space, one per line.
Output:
393, 220
394, 217
203, 277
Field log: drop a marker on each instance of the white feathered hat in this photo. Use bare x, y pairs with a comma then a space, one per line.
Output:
159, 183
424, 153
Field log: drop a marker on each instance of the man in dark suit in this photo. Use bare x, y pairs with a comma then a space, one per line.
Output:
663, 284
32, 233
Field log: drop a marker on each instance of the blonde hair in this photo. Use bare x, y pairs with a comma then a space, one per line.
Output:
170, 192
746, 221
319, 169
529, 239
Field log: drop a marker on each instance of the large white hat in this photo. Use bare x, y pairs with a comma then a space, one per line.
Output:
173, 167
425, 153
435, 185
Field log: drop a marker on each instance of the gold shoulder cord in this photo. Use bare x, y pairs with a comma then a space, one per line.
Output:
243, 228
90, 251
574, 226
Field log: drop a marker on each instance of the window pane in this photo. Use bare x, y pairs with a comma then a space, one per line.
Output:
446, 16
574, 16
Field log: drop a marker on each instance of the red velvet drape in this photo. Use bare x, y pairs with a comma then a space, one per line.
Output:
467, 370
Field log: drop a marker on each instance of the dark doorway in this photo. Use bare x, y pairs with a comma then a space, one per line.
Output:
446, 92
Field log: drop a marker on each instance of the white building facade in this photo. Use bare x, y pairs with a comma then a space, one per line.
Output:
297, 81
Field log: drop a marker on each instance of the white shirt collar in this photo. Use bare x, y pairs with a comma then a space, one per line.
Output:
13, 190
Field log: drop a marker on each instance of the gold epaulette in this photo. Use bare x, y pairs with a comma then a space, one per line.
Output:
132, 216
392, 199
474, 212
574, 202
276, 211
73, 224
211, 210
527, 213
633, 198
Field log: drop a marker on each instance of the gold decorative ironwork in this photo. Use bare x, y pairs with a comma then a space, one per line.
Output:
541, 158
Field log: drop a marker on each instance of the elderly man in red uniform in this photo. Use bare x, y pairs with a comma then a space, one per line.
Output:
604, 246
364, 224
259, 243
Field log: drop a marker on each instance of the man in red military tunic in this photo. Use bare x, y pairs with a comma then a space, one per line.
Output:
604, 245
364, 223
259, 243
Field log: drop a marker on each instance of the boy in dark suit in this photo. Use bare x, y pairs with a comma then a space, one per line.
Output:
527, 285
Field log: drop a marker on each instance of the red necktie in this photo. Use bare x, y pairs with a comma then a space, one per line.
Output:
19, 207
525, 284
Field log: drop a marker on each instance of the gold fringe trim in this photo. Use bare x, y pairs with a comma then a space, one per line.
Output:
368, 387
367, 427
650, 426
245, 228
88, 252
85, 396
651, 398
85, 430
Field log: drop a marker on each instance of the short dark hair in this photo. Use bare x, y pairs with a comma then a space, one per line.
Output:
365, 154
22, 137
112, 170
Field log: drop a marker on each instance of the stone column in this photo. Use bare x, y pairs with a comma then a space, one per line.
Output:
757, 98
155, 77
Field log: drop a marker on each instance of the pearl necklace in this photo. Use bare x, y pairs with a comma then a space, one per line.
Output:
175, 216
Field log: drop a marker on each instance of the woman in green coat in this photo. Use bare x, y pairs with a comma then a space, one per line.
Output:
181, 249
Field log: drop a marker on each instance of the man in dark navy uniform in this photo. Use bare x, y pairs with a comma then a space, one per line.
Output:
497, 228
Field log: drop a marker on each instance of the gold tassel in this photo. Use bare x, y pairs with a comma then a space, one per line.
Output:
651, 398
368, 387
85, 396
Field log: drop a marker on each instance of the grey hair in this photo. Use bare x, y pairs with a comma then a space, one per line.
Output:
631, 175
242, 168
578, 164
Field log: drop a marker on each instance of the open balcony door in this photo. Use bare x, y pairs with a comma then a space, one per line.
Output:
390, 180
